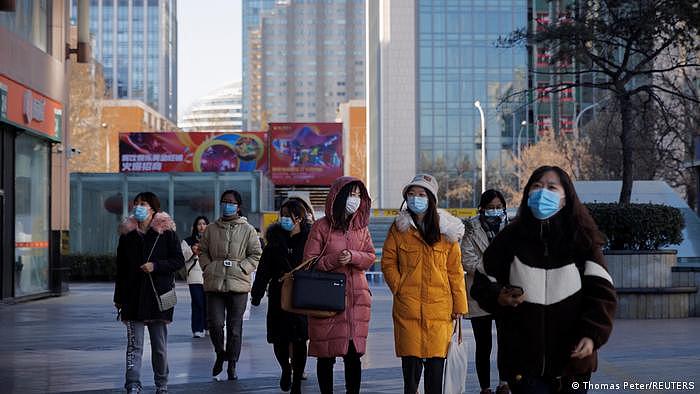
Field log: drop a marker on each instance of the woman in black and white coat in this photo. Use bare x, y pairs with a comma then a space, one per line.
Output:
548, 281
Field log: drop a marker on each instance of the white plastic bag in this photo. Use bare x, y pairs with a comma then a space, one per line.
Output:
455, 373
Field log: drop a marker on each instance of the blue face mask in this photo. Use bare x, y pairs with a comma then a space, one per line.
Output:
417, 204
544, 203
287, 223
494, 213
228, 209
140, 213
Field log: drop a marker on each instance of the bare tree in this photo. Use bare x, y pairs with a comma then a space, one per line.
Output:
622, 49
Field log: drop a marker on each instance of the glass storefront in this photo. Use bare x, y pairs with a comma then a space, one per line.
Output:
100, 201
193, 197
31, 215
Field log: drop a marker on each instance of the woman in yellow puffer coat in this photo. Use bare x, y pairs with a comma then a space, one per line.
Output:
421, 262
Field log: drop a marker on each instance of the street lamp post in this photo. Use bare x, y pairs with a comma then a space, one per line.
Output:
477, 104
520, 132
578, 117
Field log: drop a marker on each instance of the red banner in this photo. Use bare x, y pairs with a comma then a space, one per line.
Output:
193, 152
306, 153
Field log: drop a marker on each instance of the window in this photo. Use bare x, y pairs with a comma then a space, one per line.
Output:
32, 215
567, 95
566, 125
542, 20
543, 91
543, 56
544, 124
30, 20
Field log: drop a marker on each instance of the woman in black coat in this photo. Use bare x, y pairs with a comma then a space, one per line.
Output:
283, 252
148, 247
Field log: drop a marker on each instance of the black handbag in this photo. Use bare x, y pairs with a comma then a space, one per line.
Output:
324, 291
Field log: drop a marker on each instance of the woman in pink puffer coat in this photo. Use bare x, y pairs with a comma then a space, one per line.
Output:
348, 249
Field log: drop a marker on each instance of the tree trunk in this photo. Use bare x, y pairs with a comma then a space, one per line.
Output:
626, 139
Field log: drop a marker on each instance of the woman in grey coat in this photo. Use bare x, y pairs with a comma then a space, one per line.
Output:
479, 232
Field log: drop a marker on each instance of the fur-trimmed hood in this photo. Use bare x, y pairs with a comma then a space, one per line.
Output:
161, 222
451, 227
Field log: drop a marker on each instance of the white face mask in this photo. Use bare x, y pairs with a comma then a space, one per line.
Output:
352, 204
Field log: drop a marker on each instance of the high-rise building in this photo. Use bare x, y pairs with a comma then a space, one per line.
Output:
308, 58
136, 42
252, 10
555, 112
220, 110
429, 61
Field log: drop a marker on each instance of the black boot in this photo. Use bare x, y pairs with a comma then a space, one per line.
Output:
218, 365
296, 385
231, 371
286, 379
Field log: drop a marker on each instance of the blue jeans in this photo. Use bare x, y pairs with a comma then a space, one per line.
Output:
199, 308
158, 333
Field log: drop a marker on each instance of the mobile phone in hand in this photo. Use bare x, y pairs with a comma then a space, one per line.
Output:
514, 291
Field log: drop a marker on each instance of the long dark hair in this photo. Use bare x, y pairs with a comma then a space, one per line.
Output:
488, 196
340, 222
430, 231
577, 223
238, 198
195, 233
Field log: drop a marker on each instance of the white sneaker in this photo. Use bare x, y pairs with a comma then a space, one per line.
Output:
198, 334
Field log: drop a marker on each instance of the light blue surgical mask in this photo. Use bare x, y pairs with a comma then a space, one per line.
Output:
140, 213
287, 223
228, 209
417, 204
544, 203
493, 213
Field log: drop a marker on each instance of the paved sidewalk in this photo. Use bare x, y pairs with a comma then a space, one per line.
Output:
73, 343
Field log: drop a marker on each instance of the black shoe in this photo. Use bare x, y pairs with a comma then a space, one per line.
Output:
218, 365
286, 379
231, 371
296, 386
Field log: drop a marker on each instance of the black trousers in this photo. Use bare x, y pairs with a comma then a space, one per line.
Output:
353, 371
412, 370
550, 385
228, 307
482, 327
298, 356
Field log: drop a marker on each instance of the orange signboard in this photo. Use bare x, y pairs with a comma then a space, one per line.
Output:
40, 244
30, 110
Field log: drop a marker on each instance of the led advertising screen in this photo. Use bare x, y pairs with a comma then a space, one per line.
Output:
193, 152
306, 153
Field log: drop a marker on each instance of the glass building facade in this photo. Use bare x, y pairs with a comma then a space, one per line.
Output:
555, 112
136, 42
458, 63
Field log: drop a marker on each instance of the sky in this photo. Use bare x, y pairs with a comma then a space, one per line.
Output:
209, 47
